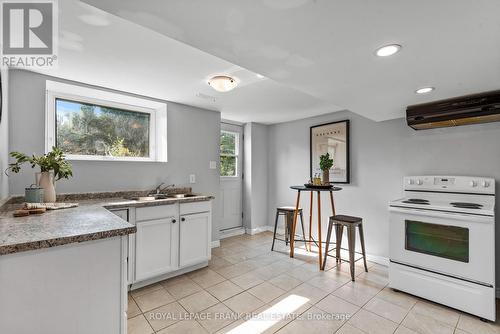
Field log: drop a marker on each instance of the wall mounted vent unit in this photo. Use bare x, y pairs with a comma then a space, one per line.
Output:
470, 109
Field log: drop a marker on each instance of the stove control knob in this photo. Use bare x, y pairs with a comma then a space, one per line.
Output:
485, 184
420, 182
473, 183
410, 181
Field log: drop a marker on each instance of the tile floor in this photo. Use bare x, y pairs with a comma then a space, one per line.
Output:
248, 289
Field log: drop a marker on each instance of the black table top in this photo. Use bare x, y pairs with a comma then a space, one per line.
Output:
303, 188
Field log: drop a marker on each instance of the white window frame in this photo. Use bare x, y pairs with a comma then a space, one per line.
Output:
156, 110
236, 153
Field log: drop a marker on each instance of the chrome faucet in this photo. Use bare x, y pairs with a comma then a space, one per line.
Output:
159, 188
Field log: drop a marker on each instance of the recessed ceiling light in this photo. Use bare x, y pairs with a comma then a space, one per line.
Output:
260, 76
388, 50
424, 90
222, 83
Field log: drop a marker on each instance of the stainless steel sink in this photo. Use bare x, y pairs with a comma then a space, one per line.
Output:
142, 198
160, 196
181, 195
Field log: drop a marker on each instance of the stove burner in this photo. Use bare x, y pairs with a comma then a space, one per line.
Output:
419, 203
464, 205
416, 201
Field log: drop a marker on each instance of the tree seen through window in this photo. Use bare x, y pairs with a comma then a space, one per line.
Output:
88, 129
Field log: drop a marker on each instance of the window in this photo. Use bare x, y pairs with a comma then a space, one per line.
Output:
229, 143
95, 126
89, 129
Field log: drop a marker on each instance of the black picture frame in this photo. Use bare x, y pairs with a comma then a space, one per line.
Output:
313, 129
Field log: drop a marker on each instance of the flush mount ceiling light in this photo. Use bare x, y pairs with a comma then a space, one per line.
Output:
222, 83
388, 50
424, 90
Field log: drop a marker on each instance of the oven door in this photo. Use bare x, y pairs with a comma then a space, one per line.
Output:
458, 245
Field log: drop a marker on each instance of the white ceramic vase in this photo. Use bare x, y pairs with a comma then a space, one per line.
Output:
46, 181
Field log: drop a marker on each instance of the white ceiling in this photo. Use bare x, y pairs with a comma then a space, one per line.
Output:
106, 50
325, 48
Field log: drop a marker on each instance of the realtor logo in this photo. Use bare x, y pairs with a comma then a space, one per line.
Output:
28, 33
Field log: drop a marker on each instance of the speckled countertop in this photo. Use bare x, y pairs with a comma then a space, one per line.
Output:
89, 221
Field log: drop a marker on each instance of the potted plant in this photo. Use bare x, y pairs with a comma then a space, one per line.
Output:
53, 167
325, 163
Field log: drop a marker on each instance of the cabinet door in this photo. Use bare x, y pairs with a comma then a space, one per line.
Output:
156, 245
194, 238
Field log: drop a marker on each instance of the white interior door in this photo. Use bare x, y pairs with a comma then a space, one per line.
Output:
231, 162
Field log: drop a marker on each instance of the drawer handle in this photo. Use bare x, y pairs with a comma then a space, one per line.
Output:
174, 221
183, 219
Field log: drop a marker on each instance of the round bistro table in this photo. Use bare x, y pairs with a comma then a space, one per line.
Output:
318, 191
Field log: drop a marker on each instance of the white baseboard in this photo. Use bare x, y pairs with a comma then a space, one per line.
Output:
259, 229
140, 284
215, 244
382, 260
232, 232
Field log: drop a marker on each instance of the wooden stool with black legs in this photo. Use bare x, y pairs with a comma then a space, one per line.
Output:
288, 212
350, 222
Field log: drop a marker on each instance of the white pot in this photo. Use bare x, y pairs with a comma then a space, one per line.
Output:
46, 181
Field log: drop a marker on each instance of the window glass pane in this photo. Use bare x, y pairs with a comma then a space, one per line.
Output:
227, 165
450, 242
87, 129
228, 143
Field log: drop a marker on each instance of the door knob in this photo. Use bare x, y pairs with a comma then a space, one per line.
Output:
183, 219
174, 221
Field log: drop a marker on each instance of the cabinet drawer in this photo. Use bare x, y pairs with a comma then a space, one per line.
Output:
156, 212
195, 207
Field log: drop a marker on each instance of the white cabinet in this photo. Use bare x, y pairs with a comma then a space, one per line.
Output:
156, 247
194, 238
128, 215
168, 238
74, 288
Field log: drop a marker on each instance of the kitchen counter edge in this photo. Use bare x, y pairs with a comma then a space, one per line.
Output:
22, 226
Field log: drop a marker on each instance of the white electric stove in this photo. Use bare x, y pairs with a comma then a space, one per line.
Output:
442, 242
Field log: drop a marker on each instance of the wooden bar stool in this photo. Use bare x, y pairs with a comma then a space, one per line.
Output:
288, 212
350, 222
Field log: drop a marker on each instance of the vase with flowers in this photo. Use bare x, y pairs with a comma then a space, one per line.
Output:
53, 167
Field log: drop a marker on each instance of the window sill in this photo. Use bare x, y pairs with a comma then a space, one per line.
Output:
106, 158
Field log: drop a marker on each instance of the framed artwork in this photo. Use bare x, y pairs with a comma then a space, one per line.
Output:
332, 138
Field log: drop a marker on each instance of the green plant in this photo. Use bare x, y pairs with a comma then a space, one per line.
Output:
52, 161
325, 162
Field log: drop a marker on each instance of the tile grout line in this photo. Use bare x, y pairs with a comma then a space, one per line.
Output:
267, 280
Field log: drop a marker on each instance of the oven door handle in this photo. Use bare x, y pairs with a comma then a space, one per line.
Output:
444, 214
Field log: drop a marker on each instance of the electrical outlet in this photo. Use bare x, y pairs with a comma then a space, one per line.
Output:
213, 165
192, 178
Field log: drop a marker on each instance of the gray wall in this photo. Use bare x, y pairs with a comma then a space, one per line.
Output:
247, 180
255, 185
260, 141
381, 154
193, 140
4, 136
